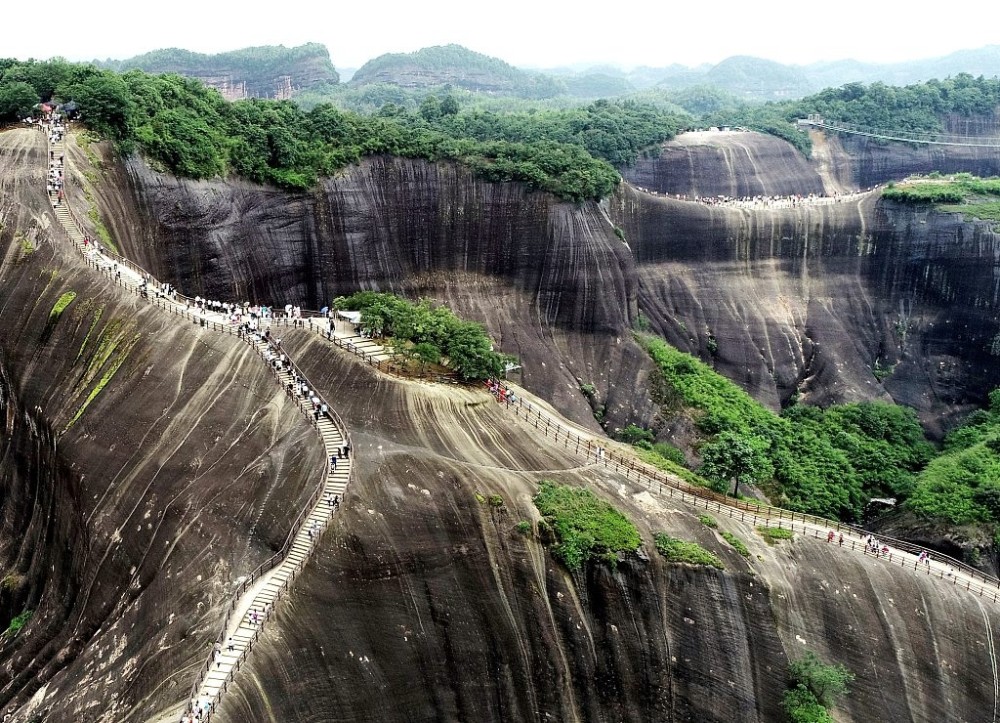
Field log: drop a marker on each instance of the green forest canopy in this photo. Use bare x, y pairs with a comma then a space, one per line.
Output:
189, 129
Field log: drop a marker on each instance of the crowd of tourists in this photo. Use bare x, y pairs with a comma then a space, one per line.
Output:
764, 202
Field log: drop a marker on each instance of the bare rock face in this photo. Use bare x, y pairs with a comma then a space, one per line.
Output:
808, 302
541, 274
147, 466
425, 603
186, 467
726, 163
805, 303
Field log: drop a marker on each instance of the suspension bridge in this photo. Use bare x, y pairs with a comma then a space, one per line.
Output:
924, 138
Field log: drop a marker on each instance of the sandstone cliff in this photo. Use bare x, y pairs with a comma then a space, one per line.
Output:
801, 302
426, 604
423, 604
146, 467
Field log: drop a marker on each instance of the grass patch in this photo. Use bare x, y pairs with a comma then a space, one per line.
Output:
586, 528
708, 521
989, 211
773, 535
113, 340
19, 622
90, 331
689, 553
102, 231
57, 311
95, 218
27, 247
60, 306
959, 193
736, 543
524, 527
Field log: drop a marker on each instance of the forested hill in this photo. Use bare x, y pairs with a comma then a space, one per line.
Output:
459, 67
182, 126
271, 71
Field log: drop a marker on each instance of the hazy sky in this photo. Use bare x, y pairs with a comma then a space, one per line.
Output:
540, 33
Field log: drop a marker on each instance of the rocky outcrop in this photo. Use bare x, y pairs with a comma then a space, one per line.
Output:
807, 302
726, 163
147, 466
737, 164
426, 603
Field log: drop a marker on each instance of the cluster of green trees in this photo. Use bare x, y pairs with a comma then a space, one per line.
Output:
814, 687
916, 108
962, 484
828, 462
585, 527
427, 333
612, 131
267, 60
190, 130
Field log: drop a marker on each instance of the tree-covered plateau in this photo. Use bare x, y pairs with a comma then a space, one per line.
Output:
184, 127
920, 108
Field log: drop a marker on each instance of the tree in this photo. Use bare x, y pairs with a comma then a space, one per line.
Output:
825, 682
426, 353
106, 105
733, 456
802, 707
449, 105
17, 100
430, 109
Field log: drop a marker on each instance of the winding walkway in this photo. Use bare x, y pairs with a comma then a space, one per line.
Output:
617, 458
254, 598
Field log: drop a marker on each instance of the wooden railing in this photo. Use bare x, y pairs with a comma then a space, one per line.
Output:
604, 453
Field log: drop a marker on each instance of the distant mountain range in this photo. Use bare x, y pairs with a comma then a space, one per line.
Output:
279, 72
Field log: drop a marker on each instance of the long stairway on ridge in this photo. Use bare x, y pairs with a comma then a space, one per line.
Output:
255, 597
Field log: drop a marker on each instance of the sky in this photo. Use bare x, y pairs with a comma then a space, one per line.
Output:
525, 33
